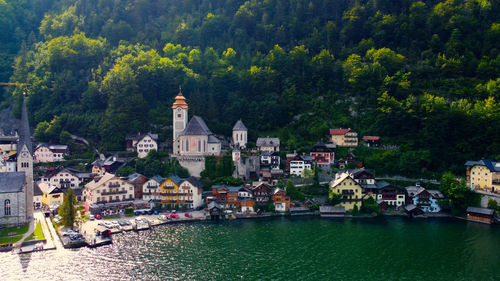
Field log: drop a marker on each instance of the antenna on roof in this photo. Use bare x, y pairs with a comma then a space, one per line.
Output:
180, 89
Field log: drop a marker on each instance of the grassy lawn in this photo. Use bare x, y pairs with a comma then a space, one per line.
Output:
13, 239
38, 233
4, 232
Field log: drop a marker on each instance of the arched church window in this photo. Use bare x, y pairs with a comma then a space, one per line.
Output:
7, 207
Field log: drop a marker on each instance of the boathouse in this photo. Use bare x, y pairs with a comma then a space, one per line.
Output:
332, 212
483, 215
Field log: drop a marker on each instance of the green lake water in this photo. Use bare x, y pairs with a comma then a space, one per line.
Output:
279, 249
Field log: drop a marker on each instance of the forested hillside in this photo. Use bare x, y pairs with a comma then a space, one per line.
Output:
424, 75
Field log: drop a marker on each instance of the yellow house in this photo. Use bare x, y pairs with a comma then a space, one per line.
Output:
169, 192
483, 175
344, 137
351, 191
51, 195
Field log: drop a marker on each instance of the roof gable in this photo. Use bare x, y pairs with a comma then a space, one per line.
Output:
196, 126
239, 126
339, 131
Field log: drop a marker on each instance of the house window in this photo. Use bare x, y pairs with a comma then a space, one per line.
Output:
199, 145
7, 207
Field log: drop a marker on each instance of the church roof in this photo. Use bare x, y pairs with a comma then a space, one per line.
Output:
196, 126
24, 130
239, 126
12, 182
213, 139
180, 101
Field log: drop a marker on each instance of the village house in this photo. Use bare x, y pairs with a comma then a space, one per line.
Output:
426, 200
108, 165
190, 193
371, 141
169, 192
322, 155
281, 200
108, 188
8, 142
138, 181
226, 195
300, 163
271, 160
363, 177
240, 135
52, 196
142, 143
268, 144
44, 153
344, 137
151, 189
349, 189
261, 193
65, 178
483, 175
37, 197
392, 195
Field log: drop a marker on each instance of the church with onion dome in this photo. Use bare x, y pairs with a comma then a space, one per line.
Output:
192, 140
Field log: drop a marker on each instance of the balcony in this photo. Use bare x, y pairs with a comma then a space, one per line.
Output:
151, 186
114, 184
111, 192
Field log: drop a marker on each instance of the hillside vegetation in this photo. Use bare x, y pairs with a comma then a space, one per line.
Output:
421, 74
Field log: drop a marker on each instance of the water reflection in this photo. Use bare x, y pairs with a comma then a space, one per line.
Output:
282, 249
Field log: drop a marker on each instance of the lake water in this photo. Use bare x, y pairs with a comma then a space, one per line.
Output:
278, 249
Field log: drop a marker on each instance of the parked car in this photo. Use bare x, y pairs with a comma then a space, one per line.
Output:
162, 217
91, 217
188, 215
98, 216
156, 212
69, 233
174, 216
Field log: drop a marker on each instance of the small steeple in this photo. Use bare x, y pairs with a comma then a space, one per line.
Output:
180, 100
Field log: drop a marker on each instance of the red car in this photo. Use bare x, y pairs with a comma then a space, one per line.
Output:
174, 216
98, 216
188, 215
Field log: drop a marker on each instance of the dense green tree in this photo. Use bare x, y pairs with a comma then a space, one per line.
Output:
67, 210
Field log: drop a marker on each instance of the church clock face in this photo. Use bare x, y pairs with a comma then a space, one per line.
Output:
24, 154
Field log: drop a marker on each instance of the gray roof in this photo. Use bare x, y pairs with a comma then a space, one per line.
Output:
382, 184
140, 136
133, 177
196, 126
12, 182
492, 165
239, 126
213, 204
195, 182
436, 193
158, 179
24, 130
483, 211
331, 209
268, 142
37, 191
213, 139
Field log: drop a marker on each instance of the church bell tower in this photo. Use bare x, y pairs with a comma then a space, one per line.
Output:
180, 119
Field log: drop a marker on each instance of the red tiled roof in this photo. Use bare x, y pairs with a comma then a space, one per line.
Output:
339, 131
371, 138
